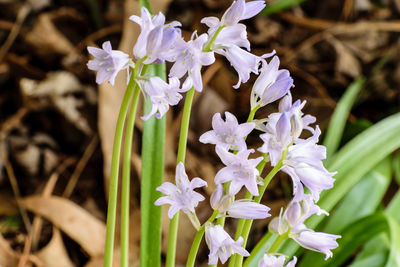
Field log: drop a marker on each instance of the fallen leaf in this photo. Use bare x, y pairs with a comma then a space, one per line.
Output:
346, 62
54, 253
59, 89
77, 223
8, 258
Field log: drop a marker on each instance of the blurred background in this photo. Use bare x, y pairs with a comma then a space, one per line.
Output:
56, 123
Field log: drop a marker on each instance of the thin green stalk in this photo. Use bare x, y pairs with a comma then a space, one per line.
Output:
197, 239
126, 175
207, 48
258, 248
113, 187
248, 223
278, 242
173, 225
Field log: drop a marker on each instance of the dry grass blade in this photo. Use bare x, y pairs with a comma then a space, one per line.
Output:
8, 258
88, 231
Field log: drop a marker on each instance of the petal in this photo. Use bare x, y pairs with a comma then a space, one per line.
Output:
208, 138
197, 182
211, 22
224, 175
253, 8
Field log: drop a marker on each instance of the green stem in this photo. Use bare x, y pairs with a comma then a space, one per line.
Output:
173, 225
275, 246
248, 223
261, 247
126, 175
207, 48
197, 239
113, 187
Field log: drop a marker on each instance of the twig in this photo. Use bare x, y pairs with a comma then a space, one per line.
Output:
17, 194
22, 14
80, 166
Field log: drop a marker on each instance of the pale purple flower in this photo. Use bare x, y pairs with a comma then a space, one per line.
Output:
182, 195
298, 211
243, 208
304, 165
189, 59
239, 10
227, 134
107, 62
239, 170
247, 209
161, 94
271, 85
156, 38
242, 61
270, 260
316, 241
221, 245
232, 36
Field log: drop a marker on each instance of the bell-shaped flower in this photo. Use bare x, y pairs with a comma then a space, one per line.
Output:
240, 209
304, 165
189, 58
161, 94
156, 38
182, 195
298, 211
316, 241
107, 62
239, 170
227, 134
221, 245
270, 260
271, 85
239, 10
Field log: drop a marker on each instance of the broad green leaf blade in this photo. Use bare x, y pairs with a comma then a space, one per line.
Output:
338, 120
352, 162
394, 255
380, 245
152, 176
374, 260
280, 5
396, 167
363, 198
354, 236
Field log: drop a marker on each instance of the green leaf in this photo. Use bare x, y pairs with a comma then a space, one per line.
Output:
352, 162
146, 4
152, 176
280, 5
396, 167
363, 198
338, 120
394, 255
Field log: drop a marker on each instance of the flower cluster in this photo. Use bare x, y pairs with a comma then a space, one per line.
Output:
283, 144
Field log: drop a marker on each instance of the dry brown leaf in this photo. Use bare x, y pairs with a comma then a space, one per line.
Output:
346, 62
77, 223
46, 38
8, 258
59, 88
54, 253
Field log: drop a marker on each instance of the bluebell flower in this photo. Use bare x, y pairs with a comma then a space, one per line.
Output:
270, 260
239, 170
221, 245
189, 58
161, 94
182, 195
227, 134
107, 62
